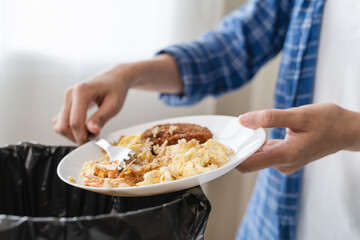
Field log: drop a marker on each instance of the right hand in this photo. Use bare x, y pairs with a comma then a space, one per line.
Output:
107, 91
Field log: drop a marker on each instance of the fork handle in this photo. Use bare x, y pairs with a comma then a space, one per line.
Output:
102, 143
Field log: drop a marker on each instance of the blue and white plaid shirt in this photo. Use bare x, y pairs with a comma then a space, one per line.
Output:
227, 58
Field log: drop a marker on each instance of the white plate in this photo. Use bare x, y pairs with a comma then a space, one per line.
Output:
225, 129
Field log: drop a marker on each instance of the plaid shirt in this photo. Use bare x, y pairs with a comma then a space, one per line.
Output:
228, 57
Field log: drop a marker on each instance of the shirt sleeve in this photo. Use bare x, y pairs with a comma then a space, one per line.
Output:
229, 56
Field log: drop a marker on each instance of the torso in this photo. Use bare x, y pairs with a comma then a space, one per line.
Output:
330, 196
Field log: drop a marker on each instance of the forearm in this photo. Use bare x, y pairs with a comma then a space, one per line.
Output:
159, 74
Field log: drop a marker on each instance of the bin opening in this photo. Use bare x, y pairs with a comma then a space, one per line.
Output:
35, 203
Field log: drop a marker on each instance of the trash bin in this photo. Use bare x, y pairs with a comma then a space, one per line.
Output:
36, 204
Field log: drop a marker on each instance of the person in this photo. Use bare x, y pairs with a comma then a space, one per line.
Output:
315, 116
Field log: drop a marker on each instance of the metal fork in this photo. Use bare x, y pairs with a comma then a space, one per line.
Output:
115, 153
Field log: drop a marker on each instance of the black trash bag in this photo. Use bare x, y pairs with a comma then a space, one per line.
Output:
36, 204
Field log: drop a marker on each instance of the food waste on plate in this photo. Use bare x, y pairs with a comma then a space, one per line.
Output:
163, 153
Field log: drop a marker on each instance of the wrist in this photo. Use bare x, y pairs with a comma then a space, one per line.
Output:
352, 126
124, 73
159, 74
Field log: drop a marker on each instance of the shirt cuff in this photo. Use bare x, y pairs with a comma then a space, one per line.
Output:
190, 94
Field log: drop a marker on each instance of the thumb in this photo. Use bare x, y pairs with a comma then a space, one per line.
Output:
108, 108
270, 118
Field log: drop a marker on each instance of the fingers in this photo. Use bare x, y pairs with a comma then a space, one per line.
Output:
109, 107
107, 90
268, 144
61, 121
70, 122
81, 99
55, 122
272, 154
271, 118
311, 134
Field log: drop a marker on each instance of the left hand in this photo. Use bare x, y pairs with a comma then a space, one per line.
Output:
312, 132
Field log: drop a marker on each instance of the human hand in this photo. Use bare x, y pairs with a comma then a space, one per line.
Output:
107, 91
312, 132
